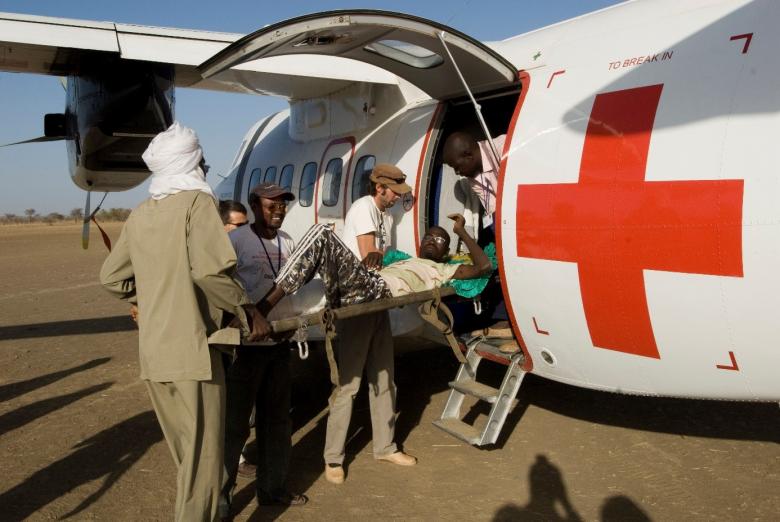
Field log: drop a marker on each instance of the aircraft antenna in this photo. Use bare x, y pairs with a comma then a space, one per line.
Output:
477, 106
457, 12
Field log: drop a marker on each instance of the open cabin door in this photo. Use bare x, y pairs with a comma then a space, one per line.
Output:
412, 48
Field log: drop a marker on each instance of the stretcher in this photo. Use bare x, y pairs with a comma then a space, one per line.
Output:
429, 303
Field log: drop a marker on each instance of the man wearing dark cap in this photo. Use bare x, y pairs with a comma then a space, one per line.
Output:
366, 342
260, 375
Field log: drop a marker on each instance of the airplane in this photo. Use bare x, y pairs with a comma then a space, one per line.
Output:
637, 222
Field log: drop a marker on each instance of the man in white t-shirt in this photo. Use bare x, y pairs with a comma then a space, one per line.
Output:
260, 375
366, 342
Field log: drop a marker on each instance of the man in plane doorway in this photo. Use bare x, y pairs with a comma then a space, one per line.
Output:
475, 161
259, 376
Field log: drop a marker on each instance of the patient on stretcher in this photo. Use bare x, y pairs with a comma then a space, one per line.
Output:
347, 281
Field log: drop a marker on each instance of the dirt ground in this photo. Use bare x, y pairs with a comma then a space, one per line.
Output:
78, 438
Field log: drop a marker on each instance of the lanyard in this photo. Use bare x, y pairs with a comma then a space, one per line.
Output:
483, 182
278, 246
381, 226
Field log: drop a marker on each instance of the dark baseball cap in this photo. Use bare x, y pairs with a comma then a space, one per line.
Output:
391, 176
271, 191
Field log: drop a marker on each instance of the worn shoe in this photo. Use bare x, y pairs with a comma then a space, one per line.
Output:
334, 474
508, 347
400, 458
281, 498
247, 470
500, 330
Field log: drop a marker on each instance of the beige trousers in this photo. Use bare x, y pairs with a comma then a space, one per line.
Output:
191, 415
363, 342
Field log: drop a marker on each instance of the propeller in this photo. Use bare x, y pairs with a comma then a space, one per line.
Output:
54, 129
40, 139
90, 216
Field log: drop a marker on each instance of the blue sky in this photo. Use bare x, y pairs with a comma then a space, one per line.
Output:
36, 176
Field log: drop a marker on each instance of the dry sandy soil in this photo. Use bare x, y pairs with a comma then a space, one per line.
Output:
78, 438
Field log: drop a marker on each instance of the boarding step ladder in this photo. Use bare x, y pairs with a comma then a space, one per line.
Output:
465, 383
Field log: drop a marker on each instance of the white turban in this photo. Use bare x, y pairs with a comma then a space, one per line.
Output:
174, 158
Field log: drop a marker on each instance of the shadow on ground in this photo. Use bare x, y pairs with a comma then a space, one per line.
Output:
419, 376
549, 501
31, 412
115, 323
16, 389
107, 456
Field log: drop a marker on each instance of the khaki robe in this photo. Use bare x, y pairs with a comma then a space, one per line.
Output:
175, 261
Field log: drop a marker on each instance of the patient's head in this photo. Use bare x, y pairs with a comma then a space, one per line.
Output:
435, 244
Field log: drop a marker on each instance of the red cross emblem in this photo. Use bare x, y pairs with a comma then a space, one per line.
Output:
615, 225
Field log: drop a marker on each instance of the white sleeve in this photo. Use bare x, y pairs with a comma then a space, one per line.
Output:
363, 219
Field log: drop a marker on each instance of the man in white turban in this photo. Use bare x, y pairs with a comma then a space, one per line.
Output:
174, 260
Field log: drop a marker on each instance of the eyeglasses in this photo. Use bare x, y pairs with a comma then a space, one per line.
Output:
239, 224
436, 239
278, 205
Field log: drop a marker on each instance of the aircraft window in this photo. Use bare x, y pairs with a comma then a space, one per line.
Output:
286, 179
254, 180
332, 182
306, 188
360, 182
406, 53
270, 175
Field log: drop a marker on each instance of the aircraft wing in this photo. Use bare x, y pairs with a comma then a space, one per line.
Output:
61, 47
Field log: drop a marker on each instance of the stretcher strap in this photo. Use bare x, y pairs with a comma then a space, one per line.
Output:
429, 311
326, 318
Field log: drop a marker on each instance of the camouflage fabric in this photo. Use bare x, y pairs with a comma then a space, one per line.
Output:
346, 280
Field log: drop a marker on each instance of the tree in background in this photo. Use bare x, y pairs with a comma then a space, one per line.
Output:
77, 214
53, 217
113, 214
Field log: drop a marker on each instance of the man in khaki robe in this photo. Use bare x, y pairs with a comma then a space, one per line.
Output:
174, 261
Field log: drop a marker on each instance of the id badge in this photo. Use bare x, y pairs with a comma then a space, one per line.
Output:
487, 220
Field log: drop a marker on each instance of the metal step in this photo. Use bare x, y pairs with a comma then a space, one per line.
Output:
489, 347
476, 389
459, 429
465, 383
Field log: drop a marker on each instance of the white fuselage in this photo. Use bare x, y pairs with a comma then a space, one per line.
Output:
638, 221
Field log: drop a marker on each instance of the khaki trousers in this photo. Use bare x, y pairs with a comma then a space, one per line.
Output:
363, 342
191, 415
